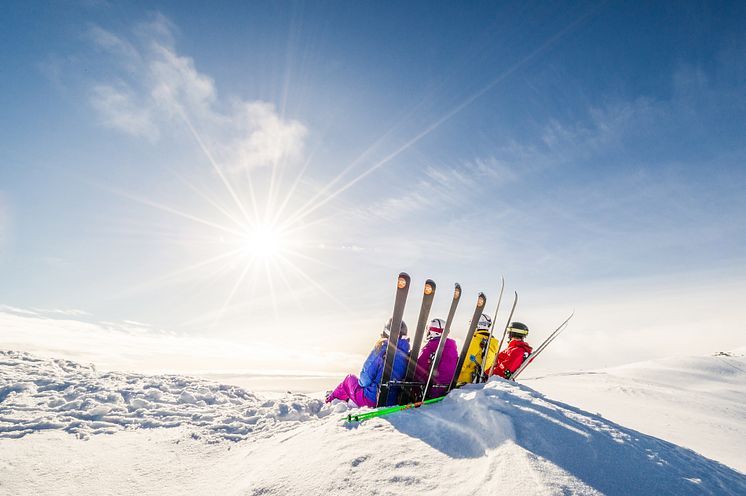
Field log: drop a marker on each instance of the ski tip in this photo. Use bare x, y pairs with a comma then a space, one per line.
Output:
403, 280
457, 291
429, 287
481, 299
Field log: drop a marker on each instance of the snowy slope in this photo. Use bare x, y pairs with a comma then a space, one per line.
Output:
176, 435
696, 402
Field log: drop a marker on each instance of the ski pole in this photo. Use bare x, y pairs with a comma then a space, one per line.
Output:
507, 324
542, 346
492, 328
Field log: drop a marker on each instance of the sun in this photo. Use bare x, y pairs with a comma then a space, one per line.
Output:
263, 241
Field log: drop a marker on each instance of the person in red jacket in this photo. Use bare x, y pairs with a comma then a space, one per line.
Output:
515, 353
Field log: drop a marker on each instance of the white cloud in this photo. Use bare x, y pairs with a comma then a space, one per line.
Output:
397, 207
118, 108
269, 139
176, 83
442, 187
158, 87
114, 45
65, 312
497, 171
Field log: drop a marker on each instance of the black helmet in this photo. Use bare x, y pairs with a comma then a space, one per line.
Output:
402, 328
518, 329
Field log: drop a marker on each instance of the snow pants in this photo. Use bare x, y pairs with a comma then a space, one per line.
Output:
349, 389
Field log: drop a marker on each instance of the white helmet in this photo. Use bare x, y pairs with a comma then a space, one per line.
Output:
435, 328
484, 322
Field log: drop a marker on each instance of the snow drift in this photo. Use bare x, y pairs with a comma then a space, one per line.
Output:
172, 434
38, 394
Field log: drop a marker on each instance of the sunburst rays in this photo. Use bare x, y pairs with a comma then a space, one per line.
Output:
267, 242
255, 245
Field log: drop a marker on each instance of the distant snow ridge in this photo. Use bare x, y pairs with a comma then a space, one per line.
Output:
41, 394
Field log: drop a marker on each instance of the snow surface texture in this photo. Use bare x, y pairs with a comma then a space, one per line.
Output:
481, 439
39, 394
696, 402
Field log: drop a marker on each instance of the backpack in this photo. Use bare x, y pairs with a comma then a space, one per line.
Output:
472, 368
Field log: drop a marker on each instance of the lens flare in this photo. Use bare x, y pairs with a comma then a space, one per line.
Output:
264, 241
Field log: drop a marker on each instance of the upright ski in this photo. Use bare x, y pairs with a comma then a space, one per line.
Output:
407, 395
485, 366
541, 347
481, 300
402, 289
505, 331
442, 342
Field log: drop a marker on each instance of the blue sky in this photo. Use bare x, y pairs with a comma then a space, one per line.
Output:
593, 154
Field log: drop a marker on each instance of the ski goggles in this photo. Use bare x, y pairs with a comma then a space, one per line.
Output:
514, 330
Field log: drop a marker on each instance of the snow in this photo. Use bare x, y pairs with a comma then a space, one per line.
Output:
66, 428
38, 395
696, 402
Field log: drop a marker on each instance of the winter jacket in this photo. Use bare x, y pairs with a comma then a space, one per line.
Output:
446, 367
476, 349
370, 376
511, 358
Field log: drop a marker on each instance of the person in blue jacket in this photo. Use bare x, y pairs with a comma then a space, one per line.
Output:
363, 391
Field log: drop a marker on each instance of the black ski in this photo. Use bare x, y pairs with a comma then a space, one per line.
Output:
442, 342
407, 395
541, 347
402, 288
481, 375
481, 300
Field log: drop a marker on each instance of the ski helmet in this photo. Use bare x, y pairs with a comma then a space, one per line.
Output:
435, 328
518, 329
485, 322
402, 328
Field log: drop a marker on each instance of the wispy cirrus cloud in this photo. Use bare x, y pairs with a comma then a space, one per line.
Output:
439, 187
156, 87
119, 108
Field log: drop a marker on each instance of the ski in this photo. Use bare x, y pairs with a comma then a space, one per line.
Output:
407, 395
442, 342
481, 300
385, 411
541, 347
480, 373
505, 331
402, 289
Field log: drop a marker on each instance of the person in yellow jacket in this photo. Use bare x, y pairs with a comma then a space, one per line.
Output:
472, 368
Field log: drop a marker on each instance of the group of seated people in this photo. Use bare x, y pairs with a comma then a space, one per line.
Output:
363, 390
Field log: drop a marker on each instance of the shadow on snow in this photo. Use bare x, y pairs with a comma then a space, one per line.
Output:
607, 456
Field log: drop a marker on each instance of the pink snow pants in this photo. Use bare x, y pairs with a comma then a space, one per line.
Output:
349, 389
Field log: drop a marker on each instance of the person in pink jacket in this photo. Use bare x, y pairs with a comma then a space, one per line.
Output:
448, 360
